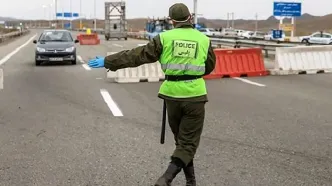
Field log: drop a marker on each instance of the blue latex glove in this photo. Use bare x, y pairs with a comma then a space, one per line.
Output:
98, 62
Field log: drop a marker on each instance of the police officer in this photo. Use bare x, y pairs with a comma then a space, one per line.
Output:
185, 55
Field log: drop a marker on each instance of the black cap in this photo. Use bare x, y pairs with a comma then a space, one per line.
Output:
179, 12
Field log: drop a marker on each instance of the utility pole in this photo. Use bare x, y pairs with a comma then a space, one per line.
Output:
56, 10
232, 20
80, 14
195, 13
95, 22
256, 24
227, 20
71, 15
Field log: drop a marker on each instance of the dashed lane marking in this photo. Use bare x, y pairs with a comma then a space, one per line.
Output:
110, 103
86, 67
250, 82
80, 59
117, 45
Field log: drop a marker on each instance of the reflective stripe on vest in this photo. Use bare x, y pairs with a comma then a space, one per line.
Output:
176, 60
183, 67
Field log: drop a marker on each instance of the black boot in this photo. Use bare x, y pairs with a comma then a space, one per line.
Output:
167, 178
189, 172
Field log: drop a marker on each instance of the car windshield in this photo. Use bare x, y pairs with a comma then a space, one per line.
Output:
56, 36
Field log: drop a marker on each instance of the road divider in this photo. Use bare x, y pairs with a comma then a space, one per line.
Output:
11, 35
88, 39
145, 73
238, 63
303, 60
230, 63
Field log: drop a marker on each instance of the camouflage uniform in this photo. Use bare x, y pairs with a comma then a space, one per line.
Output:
185, 115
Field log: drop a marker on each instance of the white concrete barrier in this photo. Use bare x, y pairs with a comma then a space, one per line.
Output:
1, 79
148, 72
303, 60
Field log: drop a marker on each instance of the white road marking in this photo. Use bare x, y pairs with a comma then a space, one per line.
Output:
99, 78
86, 67
80, 59
117, 45
249, 82
110, 103
8, 56
141, 44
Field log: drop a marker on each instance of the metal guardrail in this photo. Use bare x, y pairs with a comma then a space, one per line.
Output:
268, 46
11, 35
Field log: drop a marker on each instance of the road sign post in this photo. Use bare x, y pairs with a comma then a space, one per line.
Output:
277, 34
287, 9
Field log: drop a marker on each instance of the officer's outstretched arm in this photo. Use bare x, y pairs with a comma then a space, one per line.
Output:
210, 62
148, 53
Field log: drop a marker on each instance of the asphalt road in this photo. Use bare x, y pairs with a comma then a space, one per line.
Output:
56, 128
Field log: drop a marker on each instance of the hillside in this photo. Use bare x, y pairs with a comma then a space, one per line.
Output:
305, 24
7, 19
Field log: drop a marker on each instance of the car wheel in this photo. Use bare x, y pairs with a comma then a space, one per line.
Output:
73, 62
304, 41
126, 38
38, 63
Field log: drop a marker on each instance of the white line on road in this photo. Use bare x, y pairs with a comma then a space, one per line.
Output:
249, 82
8, 56
110, 103
117, 45
86, 67
80, 59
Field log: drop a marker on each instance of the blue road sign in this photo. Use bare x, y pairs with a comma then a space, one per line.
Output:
59, 14
75, 15
67, 14
66, 25
287, 9
277, 34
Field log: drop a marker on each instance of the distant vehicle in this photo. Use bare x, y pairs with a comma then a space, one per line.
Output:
269, 36
317, 38
247, 34
228, 32
115, 20
240, 32
55, 45
156, 26
211, 32
253, 35
258, 35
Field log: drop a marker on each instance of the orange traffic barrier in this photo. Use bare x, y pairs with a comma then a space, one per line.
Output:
88, 39
238, 63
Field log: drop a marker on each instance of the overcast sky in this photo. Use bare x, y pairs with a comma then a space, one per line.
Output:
33, 9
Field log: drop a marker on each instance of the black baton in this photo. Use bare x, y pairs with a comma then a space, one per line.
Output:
163, 125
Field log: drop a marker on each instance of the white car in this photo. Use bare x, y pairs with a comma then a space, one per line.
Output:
240, 32
210, 32
247, 34
317, 38
253, 35
229, 32
269, 36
